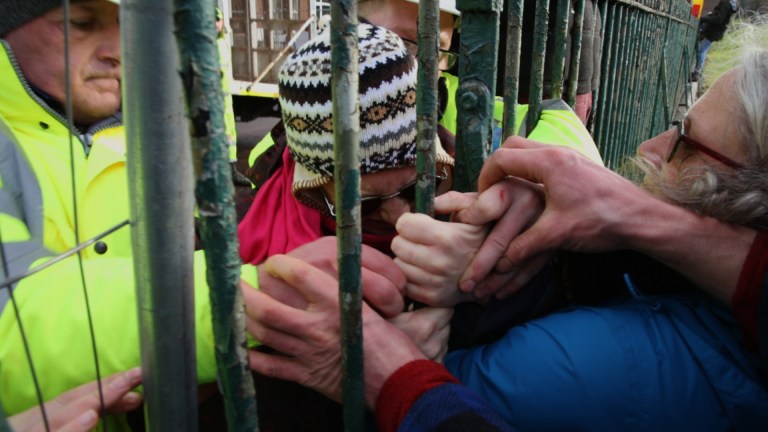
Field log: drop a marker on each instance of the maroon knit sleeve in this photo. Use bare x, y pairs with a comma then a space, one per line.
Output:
752, 282
404, 387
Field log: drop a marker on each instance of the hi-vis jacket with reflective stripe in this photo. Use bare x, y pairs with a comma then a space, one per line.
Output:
37, 221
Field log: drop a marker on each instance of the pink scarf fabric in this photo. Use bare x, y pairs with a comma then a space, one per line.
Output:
277, 223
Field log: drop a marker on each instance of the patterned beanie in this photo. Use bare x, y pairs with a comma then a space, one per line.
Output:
387, 107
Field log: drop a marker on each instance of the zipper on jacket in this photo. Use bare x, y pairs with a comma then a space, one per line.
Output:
86, 138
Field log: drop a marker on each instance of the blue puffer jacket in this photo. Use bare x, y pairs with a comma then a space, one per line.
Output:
660, 363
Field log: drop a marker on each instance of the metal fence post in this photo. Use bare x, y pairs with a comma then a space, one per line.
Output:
477, 86
160, 174
201, 77
346, 134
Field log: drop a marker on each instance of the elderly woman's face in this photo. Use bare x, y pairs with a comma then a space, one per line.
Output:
712, 122
395, 186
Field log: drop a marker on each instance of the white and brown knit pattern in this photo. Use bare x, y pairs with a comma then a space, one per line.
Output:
387, 106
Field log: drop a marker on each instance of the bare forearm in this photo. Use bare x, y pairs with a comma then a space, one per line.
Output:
708, 252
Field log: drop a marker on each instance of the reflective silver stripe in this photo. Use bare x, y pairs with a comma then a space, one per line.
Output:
20, 256
20, 198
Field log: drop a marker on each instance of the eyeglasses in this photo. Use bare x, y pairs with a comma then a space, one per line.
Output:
682, 137
445, 60
370, 204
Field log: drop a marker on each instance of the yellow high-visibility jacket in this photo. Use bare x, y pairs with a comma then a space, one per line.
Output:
37, 222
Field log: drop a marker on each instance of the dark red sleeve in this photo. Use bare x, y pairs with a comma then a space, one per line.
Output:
745, 302
404, 387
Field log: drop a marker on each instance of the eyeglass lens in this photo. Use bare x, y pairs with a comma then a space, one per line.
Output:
446, 59
369, 205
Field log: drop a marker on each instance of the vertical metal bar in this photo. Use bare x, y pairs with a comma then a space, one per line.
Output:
426, 105
650, 89
512, 56
600, 124
558, 47
477, 87
160, 179
644, 64
628, 83
656, 98
200, 73
4, 426
346, 134
646, 54
623, 76
536, 90
615, 73
576, 40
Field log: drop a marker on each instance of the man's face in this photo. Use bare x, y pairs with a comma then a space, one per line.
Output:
94, 57
401, 17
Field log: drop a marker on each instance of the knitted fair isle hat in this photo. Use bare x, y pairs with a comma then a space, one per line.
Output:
387, 108
16, 13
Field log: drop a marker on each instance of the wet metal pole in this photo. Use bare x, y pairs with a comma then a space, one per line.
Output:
512, 78
477, 88
576, 41
426, 104
201, 77
4, 426
346, 134
160, 179
536, 91
559, 44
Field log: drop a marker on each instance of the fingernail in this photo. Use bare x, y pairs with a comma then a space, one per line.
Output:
134, 375
467, 286
130, 379
88, 419
132, 398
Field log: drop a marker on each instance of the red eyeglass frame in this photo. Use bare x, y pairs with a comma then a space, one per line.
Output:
682, 137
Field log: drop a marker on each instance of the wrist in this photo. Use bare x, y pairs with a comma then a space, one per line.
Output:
404, 387
386, 349
708, 252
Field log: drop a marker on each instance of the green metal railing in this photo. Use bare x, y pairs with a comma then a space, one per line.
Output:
346, 134
647, 53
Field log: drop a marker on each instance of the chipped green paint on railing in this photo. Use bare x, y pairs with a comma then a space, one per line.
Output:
201, 77
512, 56
346, 135
536, 91
475, 96
573, 67
559, 43
427, 104
646, 61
